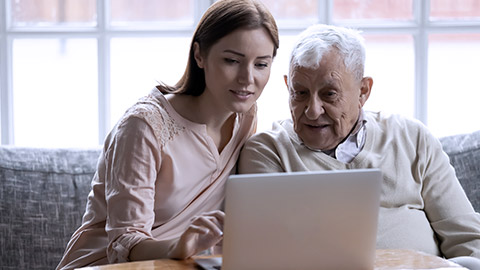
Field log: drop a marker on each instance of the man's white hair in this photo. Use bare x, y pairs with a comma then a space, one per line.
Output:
319, 39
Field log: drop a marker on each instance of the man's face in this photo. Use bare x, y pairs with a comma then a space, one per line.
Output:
325, 102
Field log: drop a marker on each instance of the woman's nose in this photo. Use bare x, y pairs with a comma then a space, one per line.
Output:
245, 75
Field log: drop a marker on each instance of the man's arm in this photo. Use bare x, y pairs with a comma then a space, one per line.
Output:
448, 209
259, 155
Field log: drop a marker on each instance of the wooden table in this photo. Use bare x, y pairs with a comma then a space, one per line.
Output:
385, 259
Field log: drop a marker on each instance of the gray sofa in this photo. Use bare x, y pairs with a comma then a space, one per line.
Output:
43, 194
42, 199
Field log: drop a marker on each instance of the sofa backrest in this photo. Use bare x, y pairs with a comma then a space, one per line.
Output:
43, 194
464, 153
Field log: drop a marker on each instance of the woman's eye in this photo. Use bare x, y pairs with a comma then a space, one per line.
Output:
262, 65
230, 60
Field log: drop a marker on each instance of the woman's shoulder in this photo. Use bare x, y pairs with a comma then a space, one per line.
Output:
154, 111
147, 108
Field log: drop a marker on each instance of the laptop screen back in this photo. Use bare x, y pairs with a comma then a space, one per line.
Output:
301, 220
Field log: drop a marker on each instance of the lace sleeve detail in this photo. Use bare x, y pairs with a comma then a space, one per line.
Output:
163, 125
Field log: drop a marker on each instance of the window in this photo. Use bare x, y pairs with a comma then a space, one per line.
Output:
70, 68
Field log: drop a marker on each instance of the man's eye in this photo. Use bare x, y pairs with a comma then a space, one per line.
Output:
331, 94
299, 95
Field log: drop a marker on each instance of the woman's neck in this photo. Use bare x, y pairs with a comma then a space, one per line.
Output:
219, 123
199, 110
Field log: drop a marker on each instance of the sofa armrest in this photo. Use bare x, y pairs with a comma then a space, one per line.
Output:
464, 153
43, 195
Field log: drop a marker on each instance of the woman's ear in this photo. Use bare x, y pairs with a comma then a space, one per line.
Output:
365, 89
197, 55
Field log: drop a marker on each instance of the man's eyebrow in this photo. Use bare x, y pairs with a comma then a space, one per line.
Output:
243, 55
326, 85
329, 83
296, 85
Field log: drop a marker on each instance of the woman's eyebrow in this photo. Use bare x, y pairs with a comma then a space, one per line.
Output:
243, 55
234, 52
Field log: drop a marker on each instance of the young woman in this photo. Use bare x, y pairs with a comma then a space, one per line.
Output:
160, 179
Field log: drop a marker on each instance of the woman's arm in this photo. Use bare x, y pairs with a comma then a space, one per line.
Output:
204, 232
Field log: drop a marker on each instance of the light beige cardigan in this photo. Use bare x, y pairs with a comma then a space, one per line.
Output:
423, 206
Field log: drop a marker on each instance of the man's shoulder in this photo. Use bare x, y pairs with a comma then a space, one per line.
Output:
383, 119
280, 130
396, 125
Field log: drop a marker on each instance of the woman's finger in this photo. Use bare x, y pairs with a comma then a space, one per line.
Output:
218, 215
197, 229
210, 223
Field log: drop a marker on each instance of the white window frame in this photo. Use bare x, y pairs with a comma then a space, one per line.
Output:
419, 28
102, 32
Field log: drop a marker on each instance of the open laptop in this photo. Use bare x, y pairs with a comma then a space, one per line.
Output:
300, 220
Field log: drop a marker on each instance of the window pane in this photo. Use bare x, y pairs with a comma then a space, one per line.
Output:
273, 103
1, 90
55, 92
138, 64
453, 88
293, 11
454, 9
28, 13
390, 62
162, 13
373, 10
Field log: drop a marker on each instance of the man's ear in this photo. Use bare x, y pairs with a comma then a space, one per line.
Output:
197, 55
285, 78
365, 89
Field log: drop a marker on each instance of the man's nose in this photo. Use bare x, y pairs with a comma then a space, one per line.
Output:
314, 108
245, 76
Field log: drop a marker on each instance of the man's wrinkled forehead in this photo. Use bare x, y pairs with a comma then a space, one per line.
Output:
298, 72
301, 78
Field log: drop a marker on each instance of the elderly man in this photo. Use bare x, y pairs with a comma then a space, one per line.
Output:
423, 206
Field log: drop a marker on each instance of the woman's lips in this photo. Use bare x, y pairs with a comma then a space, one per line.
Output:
242, 94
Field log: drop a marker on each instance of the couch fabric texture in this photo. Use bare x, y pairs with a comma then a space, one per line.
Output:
43, 195
464, 153
42, 199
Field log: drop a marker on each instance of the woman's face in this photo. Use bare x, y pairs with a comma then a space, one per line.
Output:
237, 68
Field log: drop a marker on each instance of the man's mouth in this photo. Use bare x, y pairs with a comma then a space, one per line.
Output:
317, 126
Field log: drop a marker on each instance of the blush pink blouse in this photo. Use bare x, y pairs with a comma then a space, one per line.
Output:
157, 171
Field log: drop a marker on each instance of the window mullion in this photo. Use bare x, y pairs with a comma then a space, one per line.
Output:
325, 11
6, 99
421, 9
103, 58
199, 7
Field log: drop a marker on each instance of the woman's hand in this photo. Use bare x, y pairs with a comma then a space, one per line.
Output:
204, 232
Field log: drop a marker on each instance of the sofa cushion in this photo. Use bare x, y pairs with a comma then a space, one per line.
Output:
464, 153
43, 195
